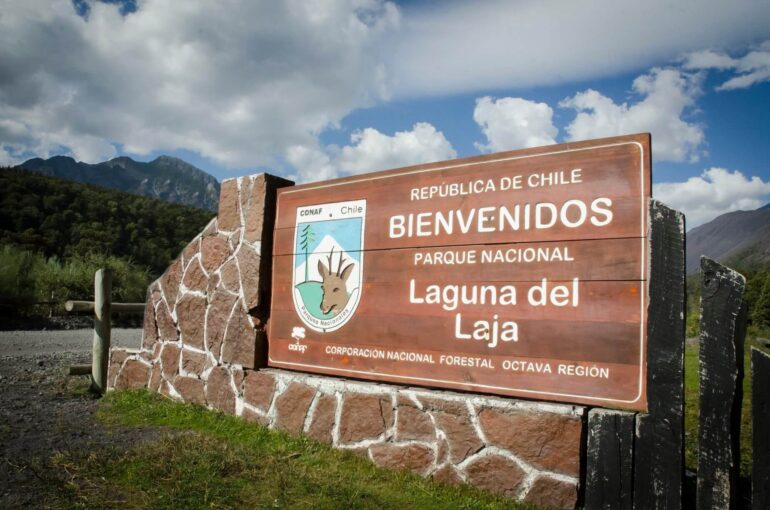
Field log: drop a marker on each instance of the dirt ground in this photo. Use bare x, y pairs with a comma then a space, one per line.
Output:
43, 411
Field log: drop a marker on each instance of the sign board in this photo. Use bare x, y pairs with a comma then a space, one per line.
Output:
521, 273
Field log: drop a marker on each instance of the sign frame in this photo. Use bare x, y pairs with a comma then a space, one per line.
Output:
638, 400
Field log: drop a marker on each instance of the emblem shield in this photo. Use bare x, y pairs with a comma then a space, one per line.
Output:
328, 263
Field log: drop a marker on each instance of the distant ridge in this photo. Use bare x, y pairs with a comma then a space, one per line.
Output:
739, 239
165, 178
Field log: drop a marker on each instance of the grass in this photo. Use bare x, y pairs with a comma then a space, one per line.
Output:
209, 460
692, 408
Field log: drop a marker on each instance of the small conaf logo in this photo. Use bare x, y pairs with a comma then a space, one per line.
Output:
328, 263
298, 333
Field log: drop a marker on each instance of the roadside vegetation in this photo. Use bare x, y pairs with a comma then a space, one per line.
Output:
27, 278
757, 295
210, 460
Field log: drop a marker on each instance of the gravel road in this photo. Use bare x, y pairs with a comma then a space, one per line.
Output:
43, 411
77, 341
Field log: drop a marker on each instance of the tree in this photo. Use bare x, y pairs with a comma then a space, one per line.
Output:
305, 239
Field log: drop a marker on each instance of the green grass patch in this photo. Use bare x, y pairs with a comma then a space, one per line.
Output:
691, 406
210, 460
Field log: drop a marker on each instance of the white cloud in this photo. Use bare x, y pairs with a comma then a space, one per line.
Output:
666, 95
370, 151
513, 123
311, 163
752, 68
250, 83
9, 156
238, 82
716, 191
468, 46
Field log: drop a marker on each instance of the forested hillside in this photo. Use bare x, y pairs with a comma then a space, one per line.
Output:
64, 219
54, 234
740, 240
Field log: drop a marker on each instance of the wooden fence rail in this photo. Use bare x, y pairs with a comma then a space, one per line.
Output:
90, 306
103, 308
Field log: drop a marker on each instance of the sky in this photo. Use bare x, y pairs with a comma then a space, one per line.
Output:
316, 89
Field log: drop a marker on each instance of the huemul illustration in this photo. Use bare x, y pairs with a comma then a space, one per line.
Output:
335, 291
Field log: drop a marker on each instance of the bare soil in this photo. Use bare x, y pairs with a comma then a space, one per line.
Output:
43, 411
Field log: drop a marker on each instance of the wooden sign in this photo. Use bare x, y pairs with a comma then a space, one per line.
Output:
521, 273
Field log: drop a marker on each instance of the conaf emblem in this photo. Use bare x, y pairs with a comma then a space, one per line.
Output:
328, 263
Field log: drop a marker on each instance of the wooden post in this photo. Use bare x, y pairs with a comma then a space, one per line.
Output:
659, 446
101, 347
609, 460
80, 370
760, 423
722, 331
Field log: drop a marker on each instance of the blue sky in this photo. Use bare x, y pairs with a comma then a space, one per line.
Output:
314, 90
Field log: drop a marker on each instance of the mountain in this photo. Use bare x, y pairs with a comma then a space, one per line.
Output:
327, 247
739, 238
165, 178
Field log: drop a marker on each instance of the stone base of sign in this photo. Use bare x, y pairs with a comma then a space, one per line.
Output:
204, 342
527, 451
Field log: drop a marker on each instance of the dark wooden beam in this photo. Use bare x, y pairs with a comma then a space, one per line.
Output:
722, 331
610, 460
760, 422
659, 447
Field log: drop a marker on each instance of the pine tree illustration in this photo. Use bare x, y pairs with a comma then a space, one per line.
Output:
305, 239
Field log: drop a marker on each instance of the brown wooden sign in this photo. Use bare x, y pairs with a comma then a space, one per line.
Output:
521, 273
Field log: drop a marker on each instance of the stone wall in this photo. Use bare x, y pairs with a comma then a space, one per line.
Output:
204, 342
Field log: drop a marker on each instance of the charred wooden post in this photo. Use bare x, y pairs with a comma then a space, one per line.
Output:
722, 331
659, 446
101, 345
760, 423
610, 460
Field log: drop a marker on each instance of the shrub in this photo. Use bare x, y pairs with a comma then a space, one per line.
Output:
27, 278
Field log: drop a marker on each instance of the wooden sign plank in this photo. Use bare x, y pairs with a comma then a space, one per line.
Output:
610, 259
521, 273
